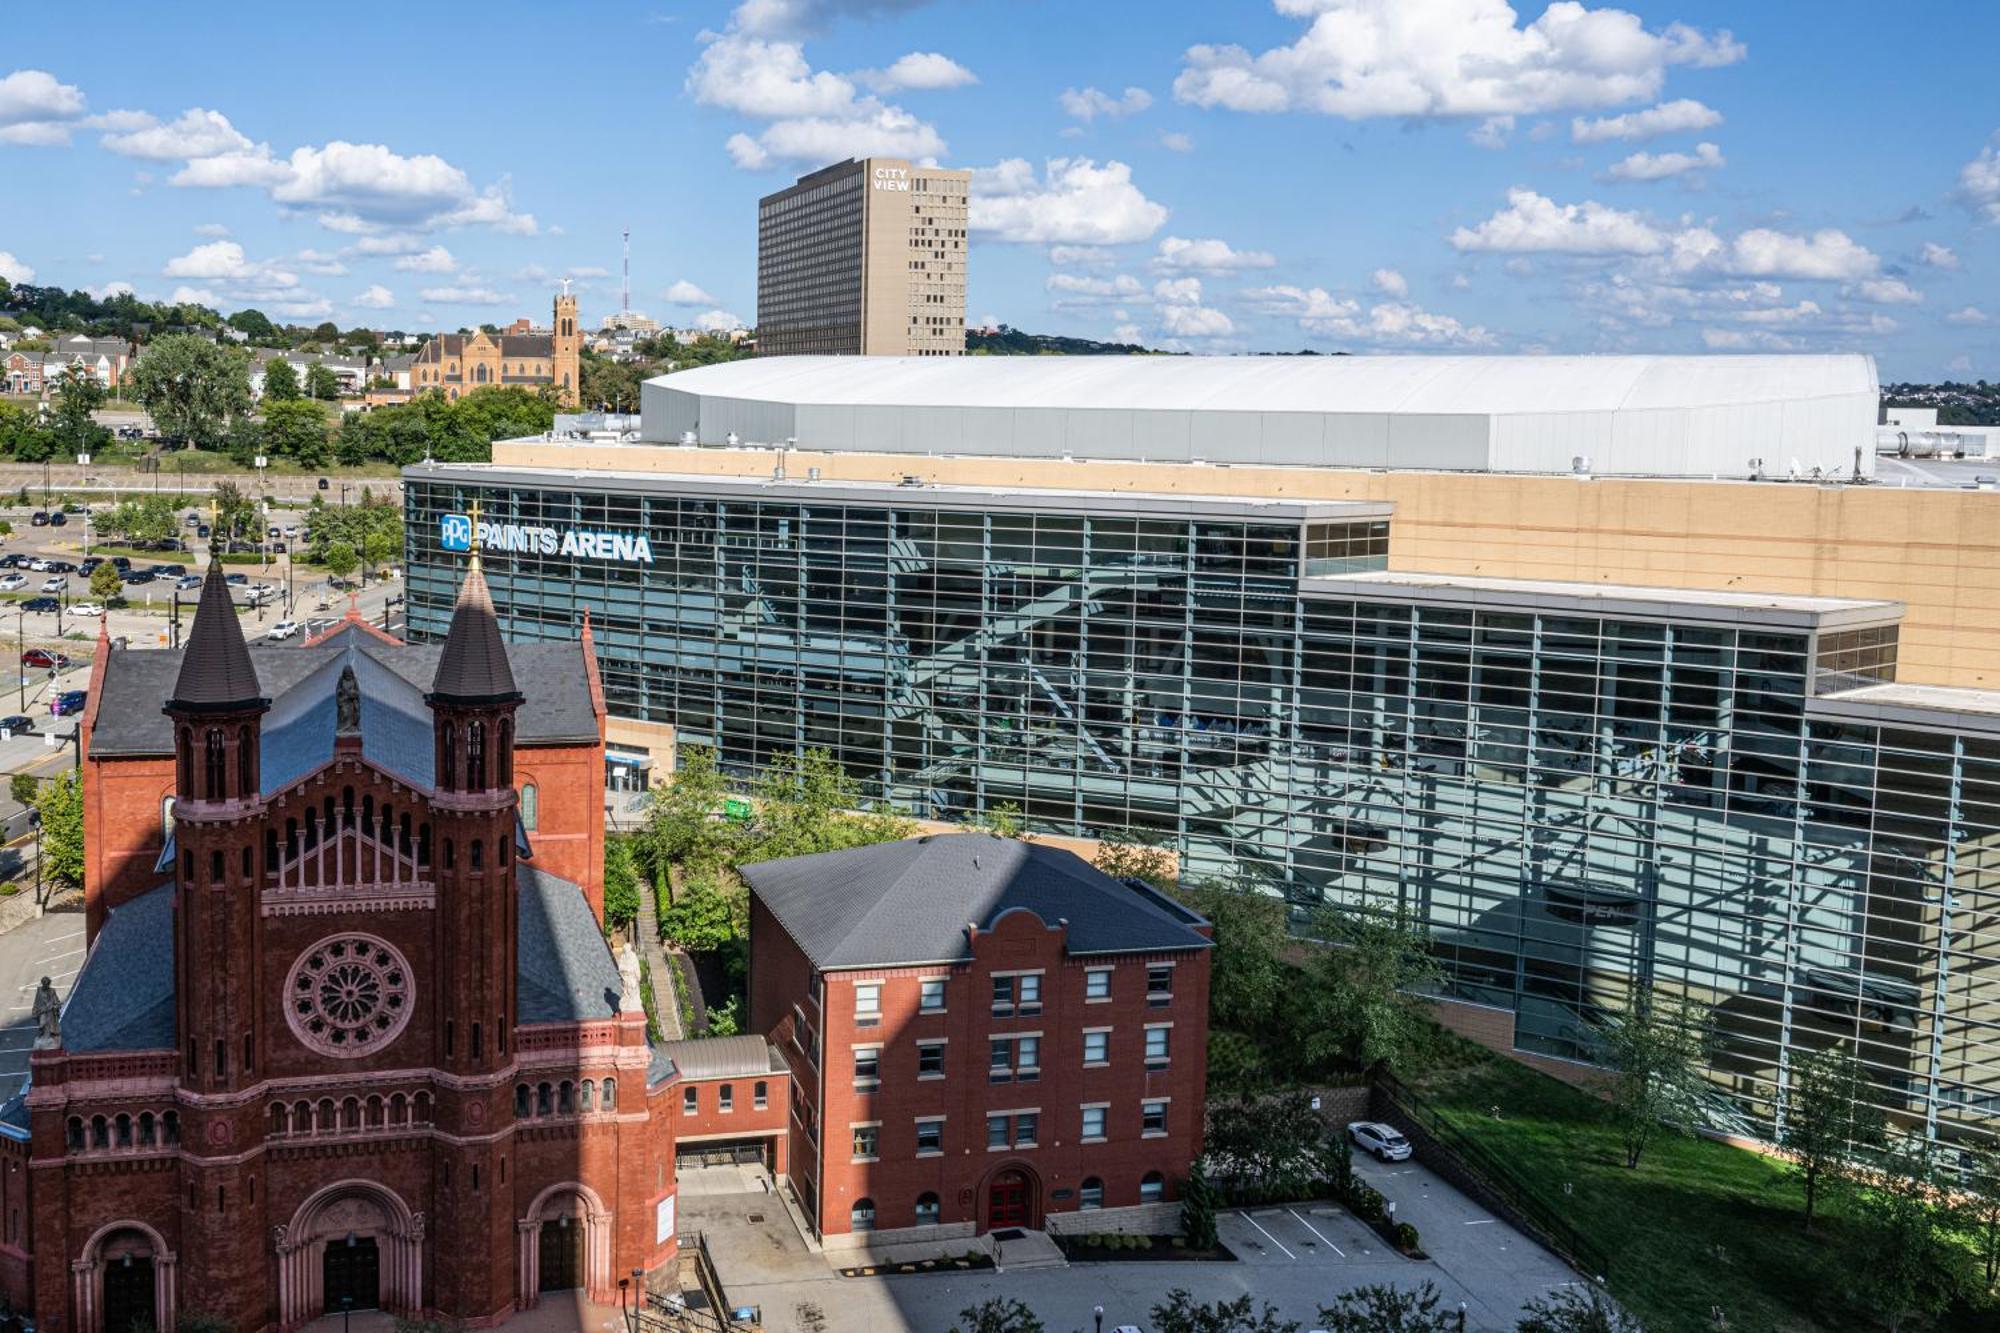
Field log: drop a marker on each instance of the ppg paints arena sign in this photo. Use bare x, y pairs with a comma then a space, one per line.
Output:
455, 534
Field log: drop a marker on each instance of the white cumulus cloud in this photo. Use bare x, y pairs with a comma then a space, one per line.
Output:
437, 259
1369, 58
1887, 291
1644, 166
1964, 315
684, 292
1209, 256
1934, 255
466, 295
376, 297
13, 270
717, 321
36, 109
923, 70
1176, 142
1090, 103
1384, 324
1534, 223
1073, 201
1684, 116
194, 133
1389, 282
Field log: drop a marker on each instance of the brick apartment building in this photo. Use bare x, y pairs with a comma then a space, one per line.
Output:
981, 1033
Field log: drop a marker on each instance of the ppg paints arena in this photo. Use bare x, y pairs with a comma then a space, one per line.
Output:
1619, 672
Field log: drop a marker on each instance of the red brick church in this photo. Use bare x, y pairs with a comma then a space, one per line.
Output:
349, 1031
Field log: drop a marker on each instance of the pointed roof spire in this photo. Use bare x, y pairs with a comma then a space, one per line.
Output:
473, 667
216, 672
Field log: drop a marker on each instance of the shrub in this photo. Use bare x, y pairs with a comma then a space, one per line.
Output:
1406, 1236
1367, 1204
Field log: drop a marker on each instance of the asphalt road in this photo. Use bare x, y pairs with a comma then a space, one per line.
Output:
49, 946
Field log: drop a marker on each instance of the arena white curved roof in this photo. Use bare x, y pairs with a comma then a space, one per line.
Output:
1646, 415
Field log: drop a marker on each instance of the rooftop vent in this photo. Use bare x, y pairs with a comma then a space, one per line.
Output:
911, 479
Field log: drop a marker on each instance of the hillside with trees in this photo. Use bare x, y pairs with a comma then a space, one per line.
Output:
1958, 404
1008, 341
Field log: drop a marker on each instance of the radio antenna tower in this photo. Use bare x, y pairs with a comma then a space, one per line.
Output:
628, 271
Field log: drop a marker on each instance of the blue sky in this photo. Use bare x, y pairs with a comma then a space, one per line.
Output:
1363, 175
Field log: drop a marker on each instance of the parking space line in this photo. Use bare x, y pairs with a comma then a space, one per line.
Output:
1481, 1222
1315, 1230
52, 957
1268, 1236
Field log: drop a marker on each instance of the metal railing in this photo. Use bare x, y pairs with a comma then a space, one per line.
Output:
1509, 1191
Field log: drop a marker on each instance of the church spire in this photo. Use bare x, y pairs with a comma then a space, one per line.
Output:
216, 672
473, 668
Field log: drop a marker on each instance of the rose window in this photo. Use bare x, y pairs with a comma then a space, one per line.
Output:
348, 995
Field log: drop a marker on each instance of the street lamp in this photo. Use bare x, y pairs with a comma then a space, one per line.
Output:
1097, 1313
21, 649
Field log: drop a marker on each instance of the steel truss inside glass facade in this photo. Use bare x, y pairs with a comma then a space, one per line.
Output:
1579, 802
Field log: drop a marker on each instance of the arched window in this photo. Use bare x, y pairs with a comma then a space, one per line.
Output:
1090, 1194
610, 1094
186, 751
861, 1217
423, 1111
589, 1095
170, 1125
100, 1132
149, 1129
521, 1100
399, 1109
448, 761
531, 808
280, 1118
246, 764
215, 769
326, 1120
215, 866
475, 756
566, 1098
477, 849
375, 1112
302, 1118
74, 1134
1152, 1187
544, 1102
927, 1209
506, 753
121, 1131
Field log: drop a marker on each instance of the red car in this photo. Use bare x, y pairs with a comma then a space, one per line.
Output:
42, 659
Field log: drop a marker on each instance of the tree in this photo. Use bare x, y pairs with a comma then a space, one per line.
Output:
683, 825
1827, 1118
257, 326
321, 382
1903, 1269
1576, 1309
1198, 1205
1002, 819
78, 395
805, 804
281, 382
997, 1314
1267, 1147
1982, 1206
1129, 856
192, 387
296, 429
378, 548
1386, 1309
105, 582
710, 912
1367, 1006
621, 884
341, 560
236, 515
60, 802
1657, 1051
22, 787
1181, 1313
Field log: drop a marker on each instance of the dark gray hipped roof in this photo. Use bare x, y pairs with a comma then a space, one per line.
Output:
910, 902
299, 732
215, 670
565, 972
123, 1000
552, 678
473, 667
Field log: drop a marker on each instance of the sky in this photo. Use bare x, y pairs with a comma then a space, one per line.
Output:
1257, 175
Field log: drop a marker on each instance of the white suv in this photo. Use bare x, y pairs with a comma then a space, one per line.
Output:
1382, 1140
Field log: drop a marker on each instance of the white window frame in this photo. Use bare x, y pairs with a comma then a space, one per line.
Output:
875, 1125
943, 992
862, 1080
1105, 1059
922, 1121
1103, 1110
871, 1015
943, 1044
1090, 976
1166, 1039
1145, 1109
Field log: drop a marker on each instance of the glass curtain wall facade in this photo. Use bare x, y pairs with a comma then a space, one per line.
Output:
1580, 803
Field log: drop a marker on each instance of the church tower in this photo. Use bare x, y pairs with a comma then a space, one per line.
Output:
217, 708
566, 355
476, 943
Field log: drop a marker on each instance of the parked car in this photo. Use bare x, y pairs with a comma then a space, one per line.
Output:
55, 583
13, 582
322, 483
201, 531
61, 567
58, 519
272, 533
41, 659
40, 518
40, 564
278, 548
20, 724
186, 581
13, 560
1384, 1141
89, 567
193, 519
236, 580
41, 605
284, 629
292, 532
121, 562
175, 570
132, 578
68, 702
86, 608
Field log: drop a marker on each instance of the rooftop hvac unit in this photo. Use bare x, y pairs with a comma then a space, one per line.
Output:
812, 474
731, 439
687, 437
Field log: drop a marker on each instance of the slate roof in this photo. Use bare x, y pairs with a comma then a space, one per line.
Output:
473, 667
215, 669
747, 1056
396, 734
899, 903
551, 677
123, 1000
565, 971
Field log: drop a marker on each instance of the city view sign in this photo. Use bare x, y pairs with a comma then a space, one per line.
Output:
455, 534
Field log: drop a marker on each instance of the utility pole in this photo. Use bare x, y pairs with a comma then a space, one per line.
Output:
628, 277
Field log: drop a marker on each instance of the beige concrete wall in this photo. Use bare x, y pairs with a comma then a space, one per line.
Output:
654, 739
1937, 551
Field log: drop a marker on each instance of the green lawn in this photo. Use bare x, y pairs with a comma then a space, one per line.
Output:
1699, 1224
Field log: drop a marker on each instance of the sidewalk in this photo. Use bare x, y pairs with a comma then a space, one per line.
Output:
661, 968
